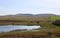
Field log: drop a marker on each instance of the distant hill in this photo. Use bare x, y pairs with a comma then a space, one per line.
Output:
46, 15
23, 15
32, 15
35, 15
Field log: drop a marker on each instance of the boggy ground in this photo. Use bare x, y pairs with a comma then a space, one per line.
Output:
18, 34
30, 35
24, 36
27, 36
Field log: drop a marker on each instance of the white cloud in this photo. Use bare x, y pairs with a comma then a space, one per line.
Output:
53, 0
5, 11
47, 3
32, 11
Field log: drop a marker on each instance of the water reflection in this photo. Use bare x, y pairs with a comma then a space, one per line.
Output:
10, 27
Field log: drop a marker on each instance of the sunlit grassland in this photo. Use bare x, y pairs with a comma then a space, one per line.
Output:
53, 18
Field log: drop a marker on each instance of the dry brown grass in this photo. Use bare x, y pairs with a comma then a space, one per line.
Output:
24, 20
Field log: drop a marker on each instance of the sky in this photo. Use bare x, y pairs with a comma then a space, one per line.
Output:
29, 7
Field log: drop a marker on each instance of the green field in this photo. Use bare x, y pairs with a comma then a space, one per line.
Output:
53, 18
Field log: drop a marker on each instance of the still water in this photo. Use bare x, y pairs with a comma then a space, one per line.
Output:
7, 28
